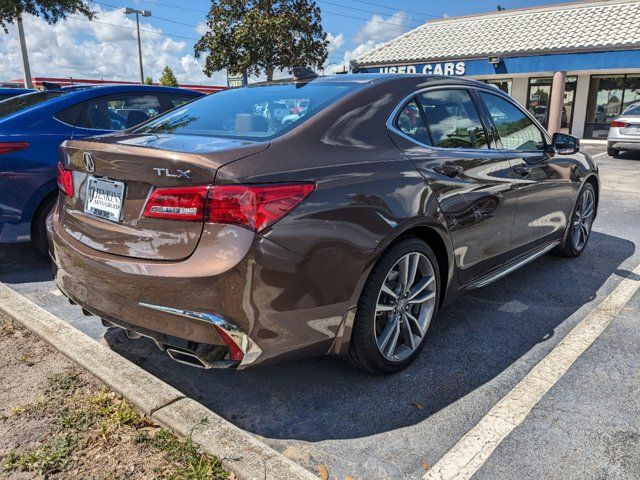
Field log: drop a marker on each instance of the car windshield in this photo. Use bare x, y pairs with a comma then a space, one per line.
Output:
258, 112
12, 105
632, 110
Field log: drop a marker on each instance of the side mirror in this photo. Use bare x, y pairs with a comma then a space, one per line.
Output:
565, 144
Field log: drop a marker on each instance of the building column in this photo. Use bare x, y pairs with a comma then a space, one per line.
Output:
557, 102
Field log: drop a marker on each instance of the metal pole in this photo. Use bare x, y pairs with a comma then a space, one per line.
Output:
139, 50
556, 102
25, 56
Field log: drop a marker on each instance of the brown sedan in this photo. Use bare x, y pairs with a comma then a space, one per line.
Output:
329, 215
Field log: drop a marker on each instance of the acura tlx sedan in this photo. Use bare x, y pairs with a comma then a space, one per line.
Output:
241, 229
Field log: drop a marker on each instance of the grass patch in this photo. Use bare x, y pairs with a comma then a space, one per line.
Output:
50, 458
83, 419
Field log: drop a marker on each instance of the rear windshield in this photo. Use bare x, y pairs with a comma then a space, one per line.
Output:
632, 110
12, 105
251, 113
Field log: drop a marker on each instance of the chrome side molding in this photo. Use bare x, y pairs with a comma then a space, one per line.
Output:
229, 331
511, 267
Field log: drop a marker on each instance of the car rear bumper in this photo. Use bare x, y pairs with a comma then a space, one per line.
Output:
236, 285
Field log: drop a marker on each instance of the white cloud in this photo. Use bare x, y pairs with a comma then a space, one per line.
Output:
373, 34
100, 49
335, 41
379, 29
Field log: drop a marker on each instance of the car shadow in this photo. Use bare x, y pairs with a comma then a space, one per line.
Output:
632, 155
23, 263
476, 338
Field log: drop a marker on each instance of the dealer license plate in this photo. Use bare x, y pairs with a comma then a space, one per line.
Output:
104, 198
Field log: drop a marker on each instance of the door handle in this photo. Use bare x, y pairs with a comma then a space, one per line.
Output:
449, 169
523, 170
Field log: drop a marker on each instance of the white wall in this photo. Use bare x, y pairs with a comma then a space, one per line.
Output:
580, 105
519, 90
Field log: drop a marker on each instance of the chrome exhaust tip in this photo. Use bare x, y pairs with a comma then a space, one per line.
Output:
190, 358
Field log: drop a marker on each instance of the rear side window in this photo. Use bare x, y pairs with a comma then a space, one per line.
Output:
409, 121
452, 119
517, 131
70, 115
119, 112
178, 100
12, 105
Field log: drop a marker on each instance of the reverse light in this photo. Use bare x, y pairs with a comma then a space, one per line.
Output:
8, 147
618, 123
180, 203
254, 206
65, 180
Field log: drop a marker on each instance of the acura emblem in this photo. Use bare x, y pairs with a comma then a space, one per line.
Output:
88, 162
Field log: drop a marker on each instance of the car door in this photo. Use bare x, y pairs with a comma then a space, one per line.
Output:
115, 112
543, 180
441, 131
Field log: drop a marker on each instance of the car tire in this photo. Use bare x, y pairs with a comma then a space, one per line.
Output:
613, 152
579, 229
39, 224
409, 318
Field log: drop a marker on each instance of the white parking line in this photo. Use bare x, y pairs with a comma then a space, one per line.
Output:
469, 454
598, 155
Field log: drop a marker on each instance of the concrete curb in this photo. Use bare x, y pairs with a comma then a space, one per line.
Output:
240, 452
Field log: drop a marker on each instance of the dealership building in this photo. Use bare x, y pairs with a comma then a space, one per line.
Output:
575, 66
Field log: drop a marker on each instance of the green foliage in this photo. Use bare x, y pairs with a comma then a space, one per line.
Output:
168, 79
260, 36
148, 80
50, 10
50, 458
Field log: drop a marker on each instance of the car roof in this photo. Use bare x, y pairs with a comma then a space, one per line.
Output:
17, 91
119, 88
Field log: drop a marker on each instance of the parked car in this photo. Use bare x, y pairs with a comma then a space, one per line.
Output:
232, 241
624, 131
12, 92
33, 126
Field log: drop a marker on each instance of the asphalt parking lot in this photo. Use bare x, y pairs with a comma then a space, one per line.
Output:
320, 411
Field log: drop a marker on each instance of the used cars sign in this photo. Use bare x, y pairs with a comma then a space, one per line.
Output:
452, 69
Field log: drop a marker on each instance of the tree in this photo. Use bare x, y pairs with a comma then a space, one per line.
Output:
260, 36
168, 79
148, 80
50, 10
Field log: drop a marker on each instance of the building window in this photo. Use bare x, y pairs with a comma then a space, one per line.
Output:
503, 84
608, 97
539, 96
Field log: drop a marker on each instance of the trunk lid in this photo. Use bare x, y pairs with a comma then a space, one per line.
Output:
137, 164
633, 125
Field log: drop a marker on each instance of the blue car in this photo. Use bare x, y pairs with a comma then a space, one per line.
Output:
12, 92
33, 126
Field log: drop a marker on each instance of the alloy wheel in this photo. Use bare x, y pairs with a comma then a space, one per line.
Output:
405, 305
583, 219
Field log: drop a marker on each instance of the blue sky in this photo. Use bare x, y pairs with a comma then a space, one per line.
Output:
106, 48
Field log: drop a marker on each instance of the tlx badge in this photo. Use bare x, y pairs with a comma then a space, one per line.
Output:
165, 172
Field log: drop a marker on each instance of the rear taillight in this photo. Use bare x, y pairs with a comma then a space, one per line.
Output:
618, 123
252, 206
181, 203
65, 180
8, 147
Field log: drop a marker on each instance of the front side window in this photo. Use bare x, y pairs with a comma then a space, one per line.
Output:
119, 112
257, 112
517, 131
452, 119
179, 100
410, 122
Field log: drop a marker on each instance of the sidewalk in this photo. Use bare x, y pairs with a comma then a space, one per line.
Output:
58, 422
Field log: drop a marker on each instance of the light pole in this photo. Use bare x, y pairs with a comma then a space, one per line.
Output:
144, 13
25, 57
